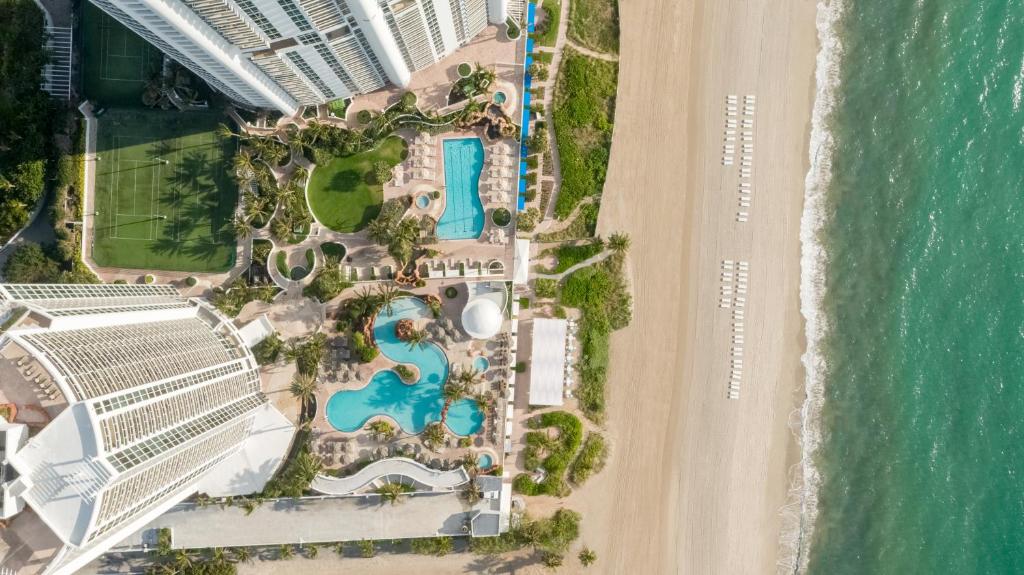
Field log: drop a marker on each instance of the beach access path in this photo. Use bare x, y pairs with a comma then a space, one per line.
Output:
697, 483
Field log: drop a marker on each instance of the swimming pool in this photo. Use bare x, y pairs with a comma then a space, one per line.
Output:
422, 201
463, 216
484, 461
481, 364
411, 406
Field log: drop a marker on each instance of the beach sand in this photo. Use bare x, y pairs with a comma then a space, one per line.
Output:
697, 482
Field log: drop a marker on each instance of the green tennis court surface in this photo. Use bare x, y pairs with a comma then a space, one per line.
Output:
117, 62
164, 192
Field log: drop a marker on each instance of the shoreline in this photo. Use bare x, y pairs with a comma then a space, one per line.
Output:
812, 283
693, 474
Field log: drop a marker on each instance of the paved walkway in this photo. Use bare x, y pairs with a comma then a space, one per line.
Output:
549, 95
585, 263
312, 520
396, 467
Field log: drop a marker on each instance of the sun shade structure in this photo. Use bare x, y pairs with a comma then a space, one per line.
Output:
547, 362
159, 390
482, 318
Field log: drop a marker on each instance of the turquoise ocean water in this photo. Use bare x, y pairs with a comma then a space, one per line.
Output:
920, 453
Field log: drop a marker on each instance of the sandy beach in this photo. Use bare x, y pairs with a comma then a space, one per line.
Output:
697, 481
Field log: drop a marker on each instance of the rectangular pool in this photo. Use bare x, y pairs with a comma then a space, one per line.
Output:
463, 216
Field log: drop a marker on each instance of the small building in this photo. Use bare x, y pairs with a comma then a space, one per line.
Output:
547, 361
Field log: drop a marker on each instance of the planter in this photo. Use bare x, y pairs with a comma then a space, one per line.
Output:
464, 70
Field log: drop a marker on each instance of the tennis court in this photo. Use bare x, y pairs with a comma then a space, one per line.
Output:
164, 195
117, 62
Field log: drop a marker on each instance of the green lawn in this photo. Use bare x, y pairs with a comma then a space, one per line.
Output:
116, 61
163, 216
550, 33
343, 193
583, 114
595, 24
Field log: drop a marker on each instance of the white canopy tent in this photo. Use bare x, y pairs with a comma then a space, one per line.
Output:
547, 362
521, 274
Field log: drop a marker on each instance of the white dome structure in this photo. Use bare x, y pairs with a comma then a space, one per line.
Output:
481, 318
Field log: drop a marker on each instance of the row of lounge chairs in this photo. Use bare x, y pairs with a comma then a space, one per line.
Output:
467, 268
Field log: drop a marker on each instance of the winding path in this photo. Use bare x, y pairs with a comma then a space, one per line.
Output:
585, 263
424, 476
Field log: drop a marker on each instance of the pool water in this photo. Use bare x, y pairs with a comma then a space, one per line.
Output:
499, 97
411, 406
422, 202
484, 461
463, 216
481, 364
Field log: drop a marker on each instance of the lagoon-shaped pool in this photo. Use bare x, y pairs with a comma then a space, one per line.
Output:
413, 406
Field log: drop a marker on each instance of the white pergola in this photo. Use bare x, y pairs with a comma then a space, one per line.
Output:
547, 362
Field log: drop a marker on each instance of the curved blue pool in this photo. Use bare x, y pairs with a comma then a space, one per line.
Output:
463, 216
484, 461
422, 201
480, 363
411, 406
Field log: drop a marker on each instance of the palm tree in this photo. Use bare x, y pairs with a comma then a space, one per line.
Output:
619, 242
379, 231
388, 294
390, 492
242, 554
469, 377
471, 463
433, 436
308, 466
285, 552
472, 492
300, 174
240, 227
303, 388
223, 131
280, 228
243, 163
256, 207
381, 429
453, 391
182, 559
587, 556
312, 551
218, 556
417, 338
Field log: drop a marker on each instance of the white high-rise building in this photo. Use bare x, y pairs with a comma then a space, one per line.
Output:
286, 53
131, 398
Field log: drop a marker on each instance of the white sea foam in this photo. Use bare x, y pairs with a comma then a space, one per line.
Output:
803, 508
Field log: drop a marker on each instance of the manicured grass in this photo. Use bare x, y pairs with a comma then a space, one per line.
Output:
553, 454
116, 61
595, 24
553, 10
282, 264
344, 194
584, 109
163, 216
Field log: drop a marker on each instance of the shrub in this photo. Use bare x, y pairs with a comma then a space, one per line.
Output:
404, 372
590, 460
29, 263
545, 288
149, 278
364, 117
408, 101
382, 171
524, 303
363, 349
465, 69
527, 221
450, 292
554, 455
501, 217
434, 194
191, 281
512, 30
